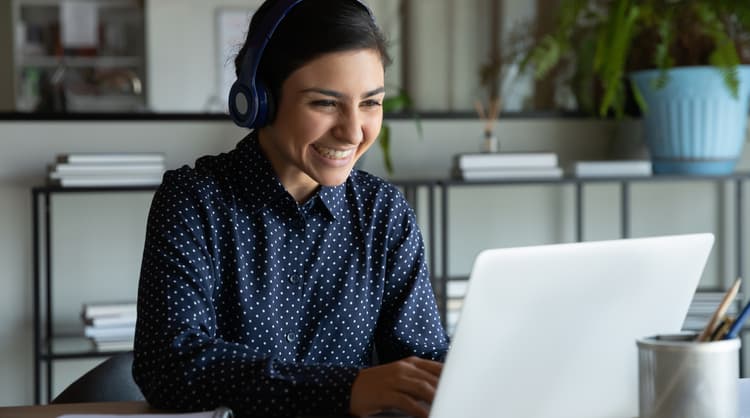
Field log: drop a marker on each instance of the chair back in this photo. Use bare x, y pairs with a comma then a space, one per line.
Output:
111, 381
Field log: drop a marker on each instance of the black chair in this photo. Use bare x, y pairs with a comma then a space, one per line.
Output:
108, 382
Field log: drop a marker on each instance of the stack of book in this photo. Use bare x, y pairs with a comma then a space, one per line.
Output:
612, 168
507, 165
455, 292
107, 170
110, 326
703, 307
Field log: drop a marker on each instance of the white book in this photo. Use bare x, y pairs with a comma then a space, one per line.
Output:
63, 170
614, 168
124, 345
92, 310
108, 181
53, 175
711, 296
493, 160
112, 158
109, 333
456, 288
111, 321
510, 173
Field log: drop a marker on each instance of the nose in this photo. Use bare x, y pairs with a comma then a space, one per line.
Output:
349, 126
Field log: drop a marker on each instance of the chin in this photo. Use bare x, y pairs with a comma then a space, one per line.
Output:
334, 180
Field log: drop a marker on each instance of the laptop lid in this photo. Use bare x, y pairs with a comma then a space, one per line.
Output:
549, 331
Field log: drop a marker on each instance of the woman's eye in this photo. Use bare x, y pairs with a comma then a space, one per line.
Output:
371, 103
324, 103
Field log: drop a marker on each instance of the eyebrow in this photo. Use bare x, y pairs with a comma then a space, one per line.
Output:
339, 95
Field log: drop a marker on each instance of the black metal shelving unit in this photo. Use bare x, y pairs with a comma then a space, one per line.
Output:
49, 348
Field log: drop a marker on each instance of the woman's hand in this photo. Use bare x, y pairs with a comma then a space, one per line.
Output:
407, 385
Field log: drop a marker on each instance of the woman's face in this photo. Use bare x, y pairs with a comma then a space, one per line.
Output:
328, 115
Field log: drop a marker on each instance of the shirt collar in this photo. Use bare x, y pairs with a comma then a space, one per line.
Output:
263, 186
333, 199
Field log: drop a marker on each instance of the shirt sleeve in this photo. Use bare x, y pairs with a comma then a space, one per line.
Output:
180, 363
409, 323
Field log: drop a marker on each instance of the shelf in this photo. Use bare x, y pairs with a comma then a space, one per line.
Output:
47, 61
39, 53
575, 180
56, 3
103, 189
75, 347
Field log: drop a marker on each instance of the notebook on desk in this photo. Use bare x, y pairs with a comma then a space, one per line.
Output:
549, 331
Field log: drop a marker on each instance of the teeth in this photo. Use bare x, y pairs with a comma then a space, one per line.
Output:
332, 153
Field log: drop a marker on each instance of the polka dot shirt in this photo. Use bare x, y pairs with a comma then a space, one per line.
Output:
249, 300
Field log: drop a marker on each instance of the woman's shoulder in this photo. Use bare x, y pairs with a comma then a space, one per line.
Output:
204, 179
371, 184
377, 195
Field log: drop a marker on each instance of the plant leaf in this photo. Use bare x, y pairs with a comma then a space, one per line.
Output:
724, 55
385, 145
638, 96
620, 34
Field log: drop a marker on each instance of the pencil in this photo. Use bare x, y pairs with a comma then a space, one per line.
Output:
720, 311
722, 329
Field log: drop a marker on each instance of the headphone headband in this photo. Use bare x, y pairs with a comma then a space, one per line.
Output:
249, 100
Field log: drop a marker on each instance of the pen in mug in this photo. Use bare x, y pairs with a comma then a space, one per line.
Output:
720, 311
737, 324
722, 329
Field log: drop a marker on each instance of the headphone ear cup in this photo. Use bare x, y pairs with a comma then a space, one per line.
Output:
243, 105
266, 105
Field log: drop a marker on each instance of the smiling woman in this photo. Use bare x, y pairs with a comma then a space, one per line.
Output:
273, 273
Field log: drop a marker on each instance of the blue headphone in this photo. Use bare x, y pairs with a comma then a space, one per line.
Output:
250, 101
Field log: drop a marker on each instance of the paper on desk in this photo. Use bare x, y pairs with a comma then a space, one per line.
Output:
218, 413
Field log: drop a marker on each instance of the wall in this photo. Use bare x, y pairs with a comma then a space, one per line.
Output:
99, 237
181, 78
450, 42
187, 80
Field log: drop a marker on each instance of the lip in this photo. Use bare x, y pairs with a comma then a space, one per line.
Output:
334, 162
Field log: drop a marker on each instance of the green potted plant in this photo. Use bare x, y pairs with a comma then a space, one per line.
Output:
679, 61
393, 103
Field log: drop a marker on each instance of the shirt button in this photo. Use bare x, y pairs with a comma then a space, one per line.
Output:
290, 337
293, 279
298, 223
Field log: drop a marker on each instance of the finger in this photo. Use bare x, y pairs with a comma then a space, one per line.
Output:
430, 366
418, 374
427, 370
409, 405
418, 389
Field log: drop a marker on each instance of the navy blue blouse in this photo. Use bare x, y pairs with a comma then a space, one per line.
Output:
249, 300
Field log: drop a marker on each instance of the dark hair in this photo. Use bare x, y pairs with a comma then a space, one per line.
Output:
312, 28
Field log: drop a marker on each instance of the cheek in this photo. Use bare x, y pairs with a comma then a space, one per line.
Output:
309, 125
372, 129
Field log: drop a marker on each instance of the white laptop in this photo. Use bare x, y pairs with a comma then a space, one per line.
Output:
549, 331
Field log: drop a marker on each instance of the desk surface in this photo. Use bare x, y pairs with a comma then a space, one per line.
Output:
119, 408
53, 411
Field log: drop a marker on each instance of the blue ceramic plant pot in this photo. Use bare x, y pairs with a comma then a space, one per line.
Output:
693, 125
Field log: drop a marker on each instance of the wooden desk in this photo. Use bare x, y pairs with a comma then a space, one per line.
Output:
53, 411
